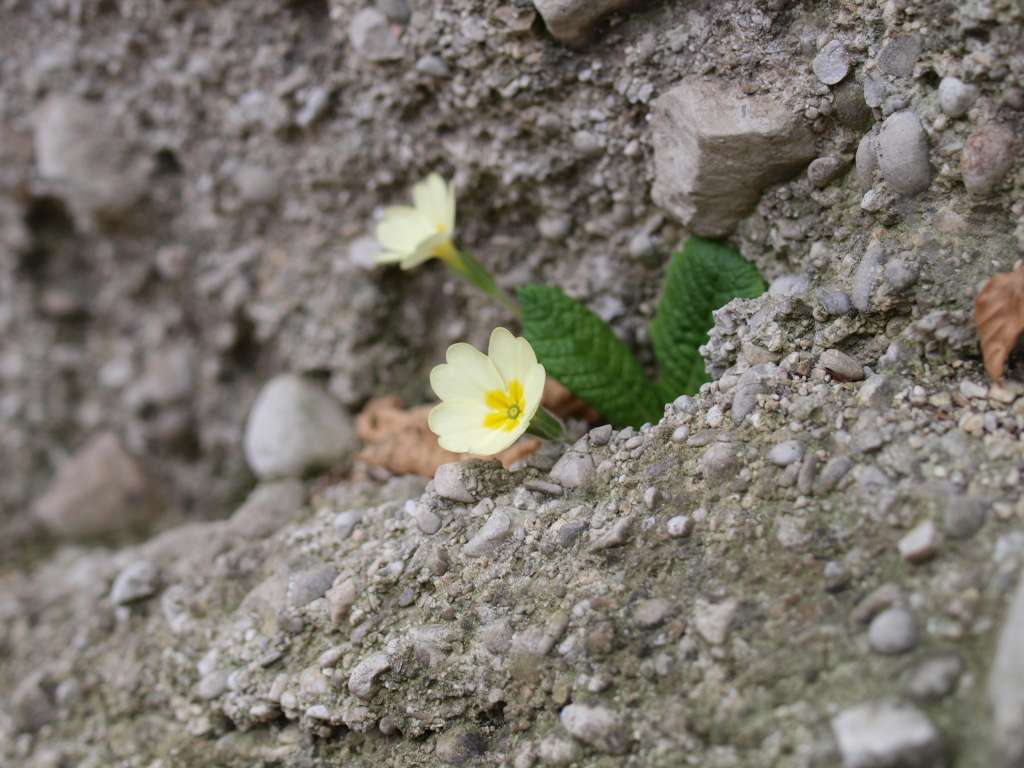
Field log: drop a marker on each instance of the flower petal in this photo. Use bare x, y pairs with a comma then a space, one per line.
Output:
402, 229
450, 382
436, 201
512, 356
475, 366
533, 391
459, 427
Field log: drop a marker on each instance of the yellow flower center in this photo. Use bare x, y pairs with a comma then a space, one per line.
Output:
506, 407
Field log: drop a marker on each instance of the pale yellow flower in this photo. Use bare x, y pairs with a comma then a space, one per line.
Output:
409, 235
487, 401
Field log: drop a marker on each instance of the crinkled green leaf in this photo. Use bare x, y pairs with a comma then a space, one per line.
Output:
702, 277
579, 349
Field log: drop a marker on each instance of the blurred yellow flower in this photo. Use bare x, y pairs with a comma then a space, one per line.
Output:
487, 401
409, 235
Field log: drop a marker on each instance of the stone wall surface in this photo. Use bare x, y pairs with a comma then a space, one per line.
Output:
814, 562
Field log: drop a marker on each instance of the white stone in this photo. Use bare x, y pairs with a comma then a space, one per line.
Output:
599, 727
713, 620
679, 526
786, 452
956, 96
893, 631
294, 427
887, 735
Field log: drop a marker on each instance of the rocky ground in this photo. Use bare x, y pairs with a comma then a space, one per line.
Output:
814, 562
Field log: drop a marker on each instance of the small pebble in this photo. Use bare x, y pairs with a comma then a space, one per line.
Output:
601, 435
835, 469
652, 612
786, 453
935, 676
832, 63
136, 582
903, 153
824, 170
599, 727
964, 516
900, 55
956, 96
679, 526
842, 366
893, 631
987, 157
714, 620
651, 497
920, 544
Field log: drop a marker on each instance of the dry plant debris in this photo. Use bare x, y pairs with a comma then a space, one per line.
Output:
399, 440
999, 317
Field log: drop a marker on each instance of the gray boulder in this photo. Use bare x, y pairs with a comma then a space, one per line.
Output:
717, 149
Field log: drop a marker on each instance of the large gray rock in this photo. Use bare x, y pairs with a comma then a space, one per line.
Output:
100, 492
1006, 686
571, 20
903, 153
295, 427
77, 143
717, 149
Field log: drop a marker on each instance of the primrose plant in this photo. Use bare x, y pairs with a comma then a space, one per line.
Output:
489, 401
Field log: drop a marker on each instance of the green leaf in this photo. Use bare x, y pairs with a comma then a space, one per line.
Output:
580, 350
702, 277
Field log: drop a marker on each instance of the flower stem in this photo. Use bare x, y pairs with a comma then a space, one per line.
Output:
547, 425
476, 274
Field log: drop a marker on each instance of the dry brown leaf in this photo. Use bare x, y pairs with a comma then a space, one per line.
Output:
564, 404
999, 317
399, 440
